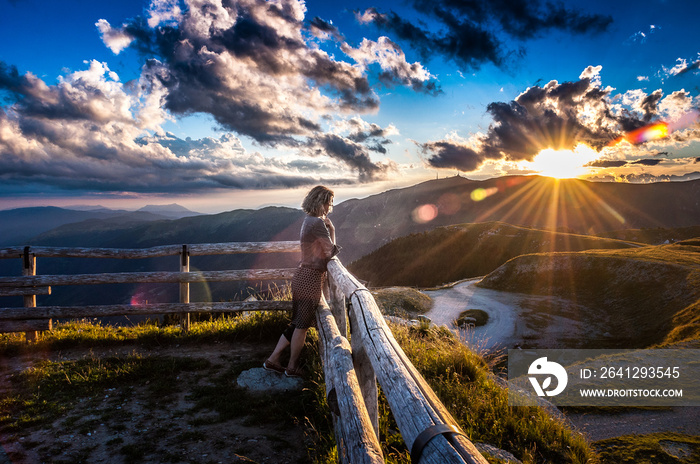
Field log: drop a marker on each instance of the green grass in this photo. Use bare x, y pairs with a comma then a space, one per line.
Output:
478, 317
70, 392
655, 448
460, 379
456, 252
402, 301
258, 326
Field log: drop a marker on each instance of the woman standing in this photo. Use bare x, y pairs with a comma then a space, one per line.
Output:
317, 248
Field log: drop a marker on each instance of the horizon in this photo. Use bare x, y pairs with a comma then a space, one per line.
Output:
134, 205
239, 105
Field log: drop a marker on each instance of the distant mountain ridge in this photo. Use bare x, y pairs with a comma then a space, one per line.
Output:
363, 225
172, 210
19, 226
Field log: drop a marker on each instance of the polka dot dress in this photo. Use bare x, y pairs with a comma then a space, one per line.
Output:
307, 285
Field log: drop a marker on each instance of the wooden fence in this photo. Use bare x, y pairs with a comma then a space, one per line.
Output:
357, 347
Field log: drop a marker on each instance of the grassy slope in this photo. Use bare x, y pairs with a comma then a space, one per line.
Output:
654, 236
447, 254
650, 295
75, 389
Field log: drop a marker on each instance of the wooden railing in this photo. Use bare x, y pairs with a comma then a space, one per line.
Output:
357, 347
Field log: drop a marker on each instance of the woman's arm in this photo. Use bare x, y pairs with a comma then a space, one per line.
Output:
331, 228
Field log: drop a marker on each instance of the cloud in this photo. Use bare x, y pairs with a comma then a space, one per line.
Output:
447, 154
92, 132
560, 116
391, 59
477, 32
681, 67
640, 37
352, 153
647, 178
255, 66
607, 163
647, 162
115, 39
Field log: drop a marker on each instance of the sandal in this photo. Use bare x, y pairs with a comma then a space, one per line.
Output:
273, 367
293, 373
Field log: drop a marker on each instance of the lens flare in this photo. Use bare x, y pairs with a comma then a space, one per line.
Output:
425, 213
481, 194
658, 130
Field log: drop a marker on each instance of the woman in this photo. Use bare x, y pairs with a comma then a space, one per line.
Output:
317, 248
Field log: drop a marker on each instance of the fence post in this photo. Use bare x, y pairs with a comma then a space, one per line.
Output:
185, 287
29, 269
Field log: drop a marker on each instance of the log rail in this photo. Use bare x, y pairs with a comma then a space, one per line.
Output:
357, 347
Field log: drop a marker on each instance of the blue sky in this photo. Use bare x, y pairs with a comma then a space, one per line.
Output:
218, 105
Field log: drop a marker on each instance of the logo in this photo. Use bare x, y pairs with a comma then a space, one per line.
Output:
542, 367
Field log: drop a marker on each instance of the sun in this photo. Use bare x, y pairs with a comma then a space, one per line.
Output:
562, 164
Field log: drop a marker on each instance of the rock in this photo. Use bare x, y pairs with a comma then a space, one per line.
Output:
260, 380
485, 448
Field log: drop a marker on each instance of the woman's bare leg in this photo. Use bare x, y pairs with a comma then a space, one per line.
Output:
298, 338
282, 343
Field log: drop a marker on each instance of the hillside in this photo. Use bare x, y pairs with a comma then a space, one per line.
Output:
654, 236
569, 205
363, 225
267, 224
647, 296
451, 253
20, 225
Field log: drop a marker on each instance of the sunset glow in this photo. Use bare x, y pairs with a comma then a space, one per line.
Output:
562, 164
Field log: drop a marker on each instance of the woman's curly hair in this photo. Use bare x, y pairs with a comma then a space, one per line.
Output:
315, 200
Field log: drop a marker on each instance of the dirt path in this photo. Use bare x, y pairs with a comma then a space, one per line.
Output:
132, 423
514, 321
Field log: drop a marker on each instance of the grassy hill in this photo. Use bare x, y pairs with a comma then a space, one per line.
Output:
569, 205
654, 236
451, 253
648, 295
86, 393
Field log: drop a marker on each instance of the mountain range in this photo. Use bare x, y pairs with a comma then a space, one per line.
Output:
364, 225
19, 226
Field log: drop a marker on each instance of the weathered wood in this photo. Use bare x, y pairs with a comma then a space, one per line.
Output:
155, 252
78, 312
22, 291
29, 269
366, 378
337, 305
355, 439
413, 403
185, 287
147, 277
26, 326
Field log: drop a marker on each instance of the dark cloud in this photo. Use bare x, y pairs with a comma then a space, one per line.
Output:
662, 153
557, 116
351, 153
480, 31
374, 131
647, 162
606, 164
691, 67
319, 25
254, 66
697, 160
453, 155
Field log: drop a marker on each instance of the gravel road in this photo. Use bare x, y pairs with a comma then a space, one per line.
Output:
515, 320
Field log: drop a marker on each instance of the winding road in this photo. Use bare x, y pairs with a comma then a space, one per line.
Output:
545, 322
